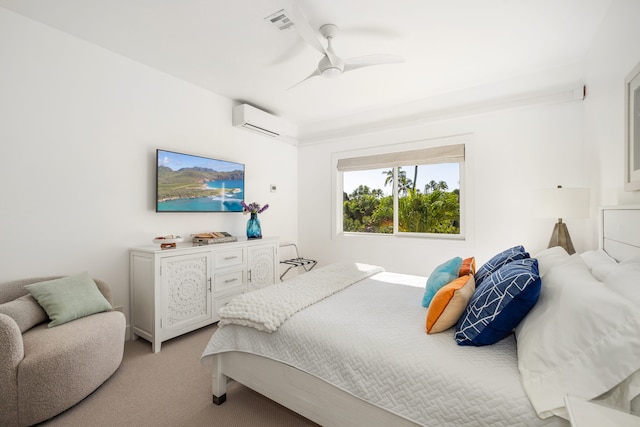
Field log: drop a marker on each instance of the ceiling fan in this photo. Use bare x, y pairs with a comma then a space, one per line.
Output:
331, 65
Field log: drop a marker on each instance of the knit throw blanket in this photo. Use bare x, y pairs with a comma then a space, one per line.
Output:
268, 308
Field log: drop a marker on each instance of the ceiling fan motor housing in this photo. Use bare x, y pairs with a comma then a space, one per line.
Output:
329, 70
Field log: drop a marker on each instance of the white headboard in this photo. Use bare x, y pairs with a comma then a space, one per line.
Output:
620, 227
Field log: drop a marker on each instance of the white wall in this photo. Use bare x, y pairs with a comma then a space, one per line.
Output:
515, 152
613, 55
79, 129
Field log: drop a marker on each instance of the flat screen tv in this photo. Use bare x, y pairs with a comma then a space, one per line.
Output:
188, 183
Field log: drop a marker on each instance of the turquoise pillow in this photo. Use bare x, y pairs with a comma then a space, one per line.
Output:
443, 274
69, 298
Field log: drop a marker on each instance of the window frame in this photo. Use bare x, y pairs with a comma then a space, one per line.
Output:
466, 187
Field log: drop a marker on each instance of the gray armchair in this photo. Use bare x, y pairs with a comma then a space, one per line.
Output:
44, 371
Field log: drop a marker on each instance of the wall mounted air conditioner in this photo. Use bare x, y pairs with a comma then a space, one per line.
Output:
255, 120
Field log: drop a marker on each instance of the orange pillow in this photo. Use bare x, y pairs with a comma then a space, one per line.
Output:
468, 266
449, 303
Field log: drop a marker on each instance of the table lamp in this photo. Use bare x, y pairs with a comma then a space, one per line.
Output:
562, 203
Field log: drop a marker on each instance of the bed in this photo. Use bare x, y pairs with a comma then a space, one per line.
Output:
325, 361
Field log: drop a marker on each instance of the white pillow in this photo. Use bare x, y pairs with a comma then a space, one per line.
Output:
550, 257
599, 263
581, 338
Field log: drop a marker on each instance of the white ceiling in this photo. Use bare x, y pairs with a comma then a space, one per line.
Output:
229, 48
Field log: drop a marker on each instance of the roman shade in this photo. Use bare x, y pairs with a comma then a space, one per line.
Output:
423, 156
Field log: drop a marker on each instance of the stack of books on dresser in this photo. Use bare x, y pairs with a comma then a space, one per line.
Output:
213, 237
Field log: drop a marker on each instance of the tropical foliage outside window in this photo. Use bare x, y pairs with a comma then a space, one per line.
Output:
426, 202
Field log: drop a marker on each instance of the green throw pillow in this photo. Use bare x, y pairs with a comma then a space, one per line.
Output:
69, 298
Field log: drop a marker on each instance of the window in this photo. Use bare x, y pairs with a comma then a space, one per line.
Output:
414, 191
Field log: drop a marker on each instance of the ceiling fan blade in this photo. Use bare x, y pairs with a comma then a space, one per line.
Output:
333, 58
301, 23
369, 60
314, 74
289, 54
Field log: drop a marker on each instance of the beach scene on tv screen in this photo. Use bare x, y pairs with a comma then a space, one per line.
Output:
188, 183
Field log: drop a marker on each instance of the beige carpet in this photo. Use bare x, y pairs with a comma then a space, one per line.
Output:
172, 388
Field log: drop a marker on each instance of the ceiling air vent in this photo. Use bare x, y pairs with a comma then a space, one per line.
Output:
280, 19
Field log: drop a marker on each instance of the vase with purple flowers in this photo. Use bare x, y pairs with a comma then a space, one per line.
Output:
254, 230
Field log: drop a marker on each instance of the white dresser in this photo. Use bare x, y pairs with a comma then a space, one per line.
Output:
175, 291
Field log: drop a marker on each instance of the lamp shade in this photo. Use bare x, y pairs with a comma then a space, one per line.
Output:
562, 203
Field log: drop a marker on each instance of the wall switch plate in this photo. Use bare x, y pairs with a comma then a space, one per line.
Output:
273, 188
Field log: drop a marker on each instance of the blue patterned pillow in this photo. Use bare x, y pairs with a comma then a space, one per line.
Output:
500, 303
504, 257
441, 275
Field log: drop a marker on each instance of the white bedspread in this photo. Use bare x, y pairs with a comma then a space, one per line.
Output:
370, 341
267, 308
